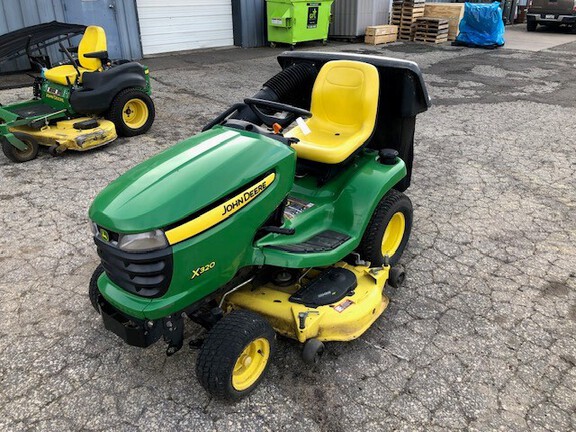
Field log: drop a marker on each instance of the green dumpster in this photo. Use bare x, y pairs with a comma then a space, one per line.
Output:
292, 21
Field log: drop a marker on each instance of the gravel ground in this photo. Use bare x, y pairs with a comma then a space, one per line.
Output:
480, 337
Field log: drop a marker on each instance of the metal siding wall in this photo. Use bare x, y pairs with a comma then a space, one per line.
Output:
16, 14
127, 20
177, 25
249, 22
351, 17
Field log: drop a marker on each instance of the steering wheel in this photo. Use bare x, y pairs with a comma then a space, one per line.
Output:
292, 112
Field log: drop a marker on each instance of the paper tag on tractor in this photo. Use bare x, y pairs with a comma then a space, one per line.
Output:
303, 126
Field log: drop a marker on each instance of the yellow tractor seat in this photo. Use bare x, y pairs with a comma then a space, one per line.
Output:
93, 41
344, 107
59, 74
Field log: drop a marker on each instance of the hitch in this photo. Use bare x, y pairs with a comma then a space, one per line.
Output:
173, 327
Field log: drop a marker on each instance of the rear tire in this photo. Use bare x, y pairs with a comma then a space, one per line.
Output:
17, 155
235, 355
531, 26
388, 230
132, 112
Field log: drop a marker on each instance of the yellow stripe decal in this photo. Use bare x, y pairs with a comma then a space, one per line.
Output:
218, 214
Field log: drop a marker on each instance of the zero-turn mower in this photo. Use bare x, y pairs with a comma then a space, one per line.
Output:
80, 105
250, 231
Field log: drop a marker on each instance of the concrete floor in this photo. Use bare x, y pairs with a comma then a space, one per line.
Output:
481, 336
543, 38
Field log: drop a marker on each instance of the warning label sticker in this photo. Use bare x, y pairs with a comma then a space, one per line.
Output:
295, 206
343, 306
312, 15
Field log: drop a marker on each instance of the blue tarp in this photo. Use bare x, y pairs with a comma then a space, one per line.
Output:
481, 26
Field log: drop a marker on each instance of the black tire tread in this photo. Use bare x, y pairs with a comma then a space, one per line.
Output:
223, 345
11, 152
114, 113
368, 248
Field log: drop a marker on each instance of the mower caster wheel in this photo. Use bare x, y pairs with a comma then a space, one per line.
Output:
396, 277
54, 150
272, 45
17, 155
325, 42
313, 350
292, 47
93, 292
235, 355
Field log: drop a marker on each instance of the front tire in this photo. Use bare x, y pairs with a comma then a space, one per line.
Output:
17, 155
235, 355
132, 112
531, 26
388, 230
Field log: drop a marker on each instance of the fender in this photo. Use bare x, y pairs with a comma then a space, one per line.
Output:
343, 205
100, 88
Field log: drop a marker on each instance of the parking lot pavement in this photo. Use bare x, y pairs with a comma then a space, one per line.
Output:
543, 38
480, 337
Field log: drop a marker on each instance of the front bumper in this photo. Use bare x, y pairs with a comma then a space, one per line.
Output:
552, 18
143, 333
134, 332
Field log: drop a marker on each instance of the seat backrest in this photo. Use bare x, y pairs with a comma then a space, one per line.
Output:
345, 93
94, 40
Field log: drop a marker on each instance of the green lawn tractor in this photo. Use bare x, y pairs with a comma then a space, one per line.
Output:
80, 105
250, 230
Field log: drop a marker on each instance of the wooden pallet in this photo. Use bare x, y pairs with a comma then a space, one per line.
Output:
414, 3
431, 40
453, 12
382, 39
433, 22
431, 30
381, 30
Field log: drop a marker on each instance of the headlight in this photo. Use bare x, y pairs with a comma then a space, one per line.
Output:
142, 242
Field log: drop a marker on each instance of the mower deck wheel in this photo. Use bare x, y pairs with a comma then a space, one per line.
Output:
388, 230
396, 277
17, 155
55, 150
132, 112
93, 292
235, 355
312, 351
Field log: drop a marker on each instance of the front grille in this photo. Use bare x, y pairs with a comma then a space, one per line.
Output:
147, 274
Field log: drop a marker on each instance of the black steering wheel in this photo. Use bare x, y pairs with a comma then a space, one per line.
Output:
292, 112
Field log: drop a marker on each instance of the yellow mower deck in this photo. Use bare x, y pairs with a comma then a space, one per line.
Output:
66, 137
344, 320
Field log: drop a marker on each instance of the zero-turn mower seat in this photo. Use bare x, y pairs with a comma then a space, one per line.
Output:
93, 40
344, 106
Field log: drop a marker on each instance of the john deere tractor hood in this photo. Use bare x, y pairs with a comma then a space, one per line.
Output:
185, 179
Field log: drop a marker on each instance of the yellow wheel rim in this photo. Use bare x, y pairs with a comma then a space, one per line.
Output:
393, 234
135, 113
250, 364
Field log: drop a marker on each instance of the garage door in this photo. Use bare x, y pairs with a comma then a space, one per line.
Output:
177, 25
